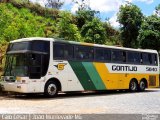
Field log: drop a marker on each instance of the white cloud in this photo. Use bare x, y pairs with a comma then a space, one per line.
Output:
67, 2
102, 5
113, 21
74, 8
42, 2
105, 5
146, 1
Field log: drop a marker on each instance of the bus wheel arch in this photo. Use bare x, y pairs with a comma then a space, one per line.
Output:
52, 87
142, 84
133, 85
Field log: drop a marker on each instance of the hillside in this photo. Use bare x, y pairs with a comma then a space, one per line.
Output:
19, 23
19, 19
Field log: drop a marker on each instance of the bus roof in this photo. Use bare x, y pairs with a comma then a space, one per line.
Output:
83, 43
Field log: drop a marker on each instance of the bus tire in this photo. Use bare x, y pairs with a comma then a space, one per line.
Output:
133, 85
142, 85
51, 89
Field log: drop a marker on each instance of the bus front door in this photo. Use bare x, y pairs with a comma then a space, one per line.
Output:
35, 72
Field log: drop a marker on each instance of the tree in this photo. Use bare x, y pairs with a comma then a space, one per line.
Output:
93, 32
66, 28
158, 10
149, 34
83, 16
82, 4
84, 12
112, 34
130, 17
3, 48
89, 24
57, 4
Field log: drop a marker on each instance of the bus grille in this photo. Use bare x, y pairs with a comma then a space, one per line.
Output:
152, 80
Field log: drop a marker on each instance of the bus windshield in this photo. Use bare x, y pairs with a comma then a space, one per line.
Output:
16, 65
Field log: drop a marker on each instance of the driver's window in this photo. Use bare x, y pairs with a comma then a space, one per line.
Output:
35, 66
35, 59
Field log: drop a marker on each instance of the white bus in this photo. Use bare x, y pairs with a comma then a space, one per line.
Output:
47, 65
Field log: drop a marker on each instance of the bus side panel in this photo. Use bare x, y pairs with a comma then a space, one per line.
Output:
87, 75
65, 74
81, 76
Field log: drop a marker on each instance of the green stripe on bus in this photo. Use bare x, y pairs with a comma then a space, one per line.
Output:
82, 75
91, 70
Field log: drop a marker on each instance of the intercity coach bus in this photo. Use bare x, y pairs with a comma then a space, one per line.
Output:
47, 65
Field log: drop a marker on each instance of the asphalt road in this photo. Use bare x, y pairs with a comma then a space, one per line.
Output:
108, 102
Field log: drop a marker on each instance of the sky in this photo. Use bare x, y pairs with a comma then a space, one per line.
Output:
109, 8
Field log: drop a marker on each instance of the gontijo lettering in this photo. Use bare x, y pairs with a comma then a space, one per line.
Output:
123, 68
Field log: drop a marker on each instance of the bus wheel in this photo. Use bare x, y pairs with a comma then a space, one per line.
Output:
133, 86
51, 89
142, 85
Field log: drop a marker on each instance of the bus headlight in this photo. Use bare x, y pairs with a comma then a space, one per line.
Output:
18, 79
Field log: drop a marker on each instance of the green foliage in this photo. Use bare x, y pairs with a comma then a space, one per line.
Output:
130, 17
3, 47
149, 34
21, 18
83, 16
66, 28
112, 35
35, 8
93, 32
21, 23
91, 27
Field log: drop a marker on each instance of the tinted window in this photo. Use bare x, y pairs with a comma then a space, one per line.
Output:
146, 58
41, 46
103, 54
134, 57
58, 50
84, 52
118, 56
99, 54
36, 46
35, 59
154, 59
18, 46
63, 51
107, 55
150, 58
68, 51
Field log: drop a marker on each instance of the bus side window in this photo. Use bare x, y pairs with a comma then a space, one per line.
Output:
133, 57
150, 58
107, 55
124, 56
84, 52
146, 59
117, 56
79, 53
58, 51
68, 51
154, 59
99, 54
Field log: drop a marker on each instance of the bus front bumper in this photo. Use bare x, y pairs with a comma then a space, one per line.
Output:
14, 87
